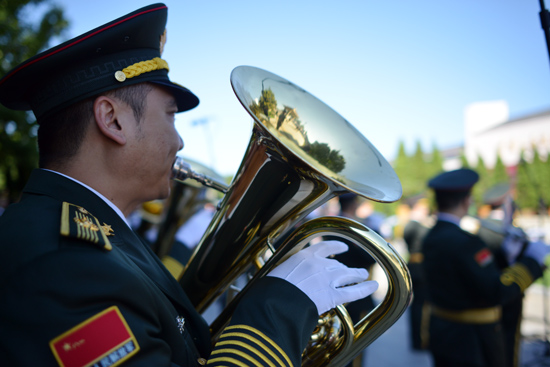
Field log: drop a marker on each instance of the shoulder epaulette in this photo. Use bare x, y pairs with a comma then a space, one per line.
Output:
77, 222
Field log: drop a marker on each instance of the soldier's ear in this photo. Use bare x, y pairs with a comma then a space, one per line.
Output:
107, 114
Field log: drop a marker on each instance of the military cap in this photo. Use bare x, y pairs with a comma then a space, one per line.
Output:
122, 52
454, 181
497, 194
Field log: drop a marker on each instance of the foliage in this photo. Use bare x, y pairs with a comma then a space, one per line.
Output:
267, 105
463, 161
482, 185
435, 163
401, 161
413, 171
330, 158
532, 178
499, 174
21, 39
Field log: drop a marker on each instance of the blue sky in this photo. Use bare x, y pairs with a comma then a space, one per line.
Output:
398, 70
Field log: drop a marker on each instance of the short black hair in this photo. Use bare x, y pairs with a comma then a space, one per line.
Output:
60, 135
447, 200
347, 201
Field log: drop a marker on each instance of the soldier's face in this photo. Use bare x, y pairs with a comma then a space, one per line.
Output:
156, 142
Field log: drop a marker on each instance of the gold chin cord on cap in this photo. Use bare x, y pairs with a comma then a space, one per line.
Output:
141, 67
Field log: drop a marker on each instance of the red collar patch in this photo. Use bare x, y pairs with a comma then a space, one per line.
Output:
483, 257
104, 338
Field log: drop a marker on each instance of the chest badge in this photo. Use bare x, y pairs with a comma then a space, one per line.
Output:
180, 322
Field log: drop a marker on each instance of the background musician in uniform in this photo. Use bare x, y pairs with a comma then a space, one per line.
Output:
413, 235
78, 286
466, 288
506, 242
498, 232
358, 259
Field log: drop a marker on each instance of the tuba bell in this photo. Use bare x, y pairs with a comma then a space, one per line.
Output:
300, 155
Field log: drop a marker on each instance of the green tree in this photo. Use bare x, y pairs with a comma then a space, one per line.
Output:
435, 164
418, 171
330, 158
544, 170
20, 39
463, 161
499, 173
401, 160
539, 176
483, 184
266, 106
411, 170
526, 187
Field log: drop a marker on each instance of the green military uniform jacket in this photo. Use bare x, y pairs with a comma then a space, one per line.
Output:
466, 291
79, 288
511, 311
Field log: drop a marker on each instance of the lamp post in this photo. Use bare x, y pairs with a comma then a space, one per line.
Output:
545, 22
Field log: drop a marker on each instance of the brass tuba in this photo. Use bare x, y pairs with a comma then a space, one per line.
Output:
300, 155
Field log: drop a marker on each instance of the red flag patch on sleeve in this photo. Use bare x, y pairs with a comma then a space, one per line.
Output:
483, 257
103, 340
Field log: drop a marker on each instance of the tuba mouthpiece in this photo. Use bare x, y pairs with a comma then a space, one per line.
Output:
181, 171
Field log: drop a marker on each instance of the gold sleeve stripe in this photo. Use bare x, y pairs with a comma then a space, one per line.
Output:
244, 346
239, 353
525, 276
518, 274
260, 344
232, 361
416, 258
265, 337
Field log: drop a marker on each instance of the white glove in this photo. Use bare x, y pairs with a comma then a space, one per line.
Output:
513, 243
538, 251
324, 280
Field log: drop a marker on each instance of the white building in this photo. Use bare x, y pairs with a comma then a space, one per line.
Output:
489, 132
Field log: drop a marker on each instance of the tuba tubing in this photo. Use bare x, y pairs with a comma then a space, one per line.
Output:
353, 338
301, 154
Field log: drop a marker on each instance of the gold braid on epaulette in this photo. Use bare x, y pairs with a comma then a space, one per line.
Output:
141, 67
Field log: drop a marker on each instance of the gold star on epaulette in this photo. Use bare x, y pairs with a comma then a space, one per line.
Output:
107, 229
